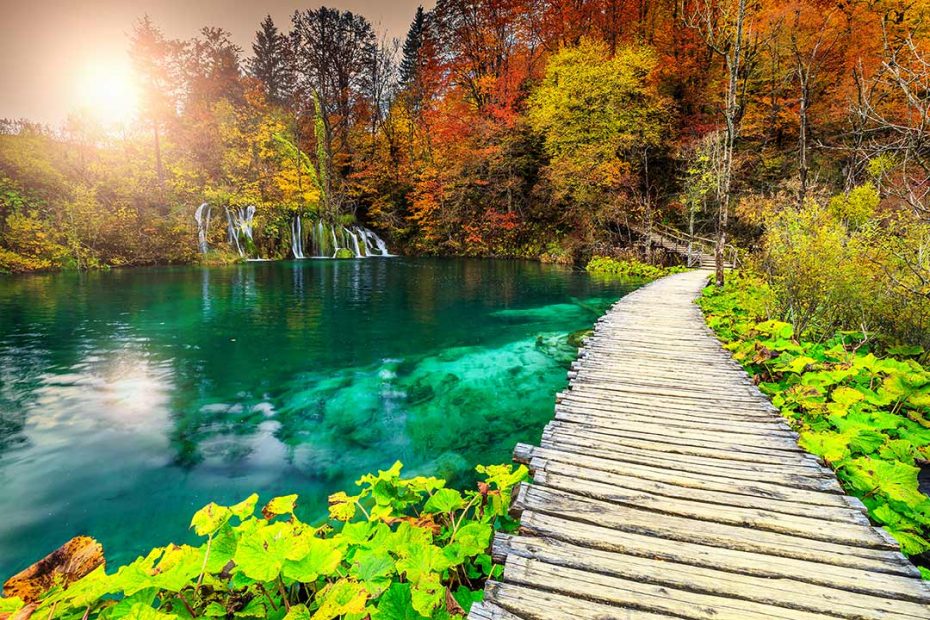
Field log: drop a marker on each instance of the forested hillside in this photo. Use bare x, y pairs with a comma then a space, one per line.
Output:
523, 128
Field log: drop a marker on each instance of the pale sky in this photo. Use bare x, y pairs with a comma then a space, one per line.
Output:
46, 46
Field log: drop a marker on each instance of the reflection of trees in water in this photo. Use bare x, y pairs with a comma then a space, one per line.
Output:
240, 339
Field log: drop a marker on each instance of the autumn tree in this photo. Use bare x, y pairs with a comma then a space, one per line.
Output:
602, 120
722, 24
152, 58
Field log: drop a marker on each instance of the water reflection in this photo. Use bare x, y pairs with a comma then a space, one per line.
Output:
130, 398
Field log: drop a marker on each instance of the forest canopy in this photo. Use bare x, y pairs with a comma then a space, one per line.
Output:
511, 128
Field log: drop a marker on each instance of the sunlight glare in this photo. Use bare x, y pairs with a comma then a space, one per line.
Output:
108, 93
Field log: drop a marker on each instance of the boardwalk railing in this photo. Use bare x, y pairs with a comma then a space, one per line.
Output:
667, 486
696, 250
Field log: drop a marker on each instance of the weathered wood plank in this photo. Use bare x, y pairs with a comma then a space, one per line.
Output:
541, 605
786, 494
628, 593
786, 592
569, 476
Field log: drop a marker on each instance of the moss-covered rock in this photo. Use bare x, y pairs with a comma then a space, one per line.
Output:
344, 253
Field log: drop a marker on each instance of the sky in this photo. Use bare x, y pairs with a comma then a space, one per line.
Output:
51, 50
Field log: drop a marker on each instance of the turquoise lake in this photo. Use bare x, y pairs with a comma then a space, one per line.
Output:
130, 398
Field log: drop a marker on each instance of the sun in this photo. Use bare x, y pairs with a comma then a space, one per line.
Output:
106, 90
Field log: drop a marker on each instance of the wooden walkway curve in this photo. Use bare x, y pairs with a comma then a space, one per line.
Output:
667, 486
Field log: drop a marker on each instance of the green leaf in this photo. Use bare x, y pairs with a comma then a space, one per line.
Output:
9, 605
298, 612
245, 508
141, 611
470, 540
342, 506
210, 518
396, 604
831, 447
283, 505
444, 500
261, 554
340, 598
420, 560
323, 556
846, 396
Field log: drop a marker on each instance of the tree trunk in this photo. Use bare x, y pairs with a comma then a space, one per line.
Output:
802, 137
734, 59
159, 171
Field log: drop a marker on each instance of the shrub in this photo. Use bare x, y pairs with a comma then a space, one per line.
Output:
632, 269
400, 548
865, 416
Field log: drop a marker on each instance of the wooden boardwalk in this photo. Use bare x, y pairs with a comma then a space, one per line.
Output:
667, 486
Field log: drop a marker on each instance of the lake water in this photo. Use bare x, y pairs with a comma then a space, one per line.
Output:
128, 399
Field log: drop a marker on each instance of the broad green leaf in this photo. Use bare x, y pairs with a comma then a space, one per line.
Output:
210, 518
421, 560
140, 611
245, 508
177, 568
340, 598
342, 506
261, 554
298, 612
426, 594
9, 605
444, 500
283, 505
846, 396
396, 604
323, 557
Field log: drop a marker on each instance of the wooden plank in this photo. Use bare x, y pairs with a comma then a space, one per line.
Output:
883, 580
555, 474
870, 550
844, 531
659, 434
685, 459
688, 464
541, 605
788, 593
785, 494
679, 430
627, 593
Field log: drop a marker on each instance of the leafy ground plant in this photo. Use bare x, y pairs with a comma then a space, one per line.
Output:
632, 269
866, 416
399, 549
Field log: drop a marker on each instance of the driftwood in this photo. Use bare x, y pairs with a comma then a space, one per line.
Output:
73, 560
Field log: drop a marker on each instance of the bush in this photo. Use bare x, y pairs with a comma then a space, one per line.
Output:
400, 548
632, 269
865, 416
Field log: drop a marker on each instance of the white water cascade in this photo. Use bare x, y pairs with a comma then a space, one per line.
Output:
202, 215
240, 221
325, 240
297, 238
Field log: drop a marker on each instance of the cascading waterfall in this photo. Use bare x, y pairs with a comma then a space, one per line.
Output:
297, 238
202, 215
239, 220
325, 240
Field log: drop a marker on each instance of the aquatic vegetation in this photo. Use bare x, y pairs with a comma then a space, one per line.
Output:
633, 269
867, 416
406, 548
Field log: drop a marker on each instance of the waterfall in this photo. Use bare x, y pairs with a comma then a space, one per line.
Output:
297, 238
239, 220
202, 215
358, 253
